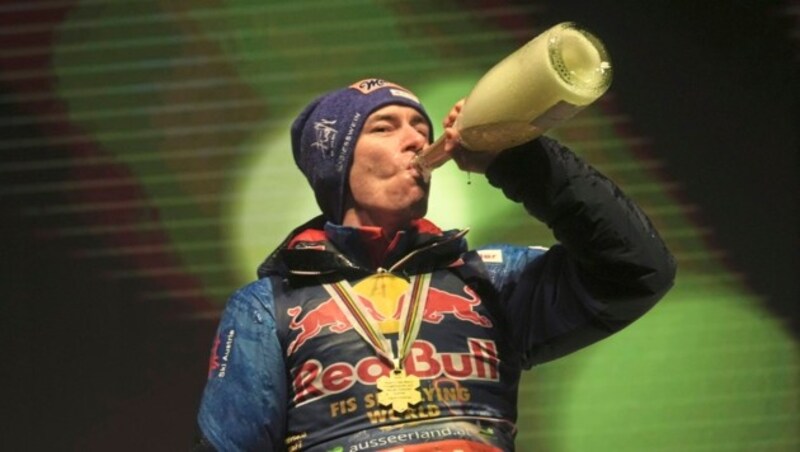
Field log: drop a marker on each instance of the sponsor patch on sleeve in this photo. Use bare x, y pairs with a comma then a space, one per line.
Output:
218, 363
491, 256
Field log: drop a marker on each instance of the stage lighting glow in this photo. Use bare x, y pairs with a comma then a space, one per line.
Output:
642, 389
271, 198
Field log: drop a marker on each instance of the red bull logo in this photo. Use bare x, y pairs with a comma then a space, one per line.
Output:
312, 380
441, 302
326, 315
329, 315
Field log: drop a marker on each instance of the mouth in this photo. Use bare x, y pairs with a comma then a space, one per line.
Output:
418, 175
422, 176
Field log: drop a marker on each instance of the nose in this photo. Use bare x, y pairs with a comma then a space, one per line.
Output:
413, 139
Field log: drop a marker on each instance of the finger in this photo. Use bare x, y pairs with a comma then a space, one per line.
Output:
451, 140
450, 119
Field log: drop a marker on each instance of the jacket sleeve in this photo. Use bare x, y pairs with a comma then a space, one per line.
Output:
609, 268
244, 403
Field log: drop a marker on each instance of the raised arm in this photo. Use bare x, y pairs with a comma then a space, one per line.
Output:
610, 267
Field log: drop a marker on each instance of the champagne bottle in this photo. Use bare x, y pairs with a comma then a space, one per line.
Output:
539, 86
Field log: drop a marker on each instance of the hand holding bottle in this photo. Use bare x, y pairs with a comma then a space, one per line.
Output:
467, 160
545, 82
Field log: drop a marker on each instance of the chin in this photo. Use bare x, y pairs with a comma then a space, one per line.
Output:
420, 208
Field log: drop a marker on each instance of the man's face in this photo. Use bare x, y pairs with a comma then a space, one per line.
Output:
383, 182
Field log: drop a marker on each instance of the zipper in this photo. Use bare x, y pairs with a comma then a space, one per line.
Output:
391, 269
408, 256
326, 272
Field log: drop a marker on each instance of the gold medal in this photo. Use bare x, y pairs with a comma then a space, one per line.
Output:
398, 390
385, 291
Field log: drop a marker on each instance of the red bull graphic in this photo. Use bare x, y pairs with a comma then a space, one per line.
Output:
441, 302
312, 380
326, 315
329, 315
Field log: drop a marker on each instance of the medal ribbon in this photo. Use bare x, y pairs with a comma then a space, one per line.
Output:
410, 318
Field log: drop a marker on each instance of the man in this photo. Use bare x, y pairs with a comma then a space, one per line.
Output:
371, 329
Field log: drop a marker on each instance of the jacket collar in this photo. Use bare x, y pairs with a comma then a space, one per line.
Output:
317, 249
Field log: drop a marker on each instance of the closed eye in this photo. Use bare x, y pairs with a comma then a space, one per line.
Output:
421, 125
380, 128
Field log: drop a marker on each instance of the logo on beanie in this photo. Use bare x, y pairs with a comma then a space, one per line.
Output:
403, 93
368, 85
326, 135
371, 84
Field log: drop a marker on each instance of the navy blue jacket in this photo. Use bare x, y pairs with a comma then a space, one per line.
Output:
288, 372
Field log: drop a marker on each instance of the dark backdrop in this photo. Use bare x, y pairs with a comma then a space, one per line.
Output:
88, 366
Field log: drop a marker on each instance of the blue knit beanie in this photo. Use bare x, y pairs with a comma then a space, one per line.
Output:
325, 133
